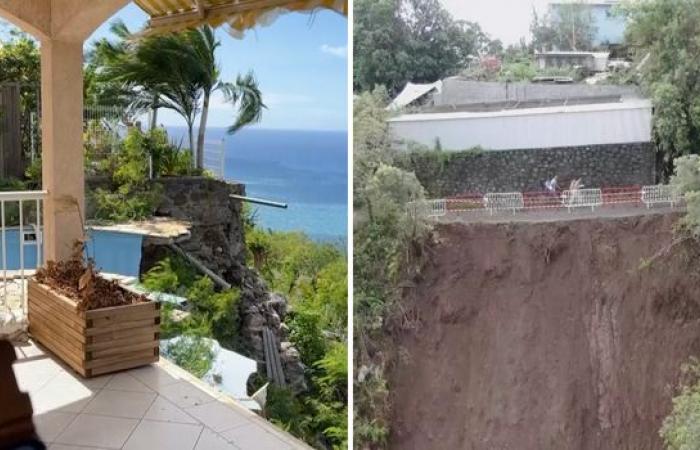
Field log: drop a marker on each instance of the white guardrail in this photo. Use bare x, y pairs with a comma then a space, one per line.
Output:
504, 201
582, 198
661, 193
22, 243
429, 208
514, 202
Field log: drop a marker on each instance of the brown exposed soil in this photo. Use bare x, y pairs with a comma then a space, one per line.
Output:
546, 336
81, 282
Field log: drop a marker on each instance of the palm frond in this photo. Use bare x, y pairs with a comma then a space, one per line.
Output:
246, 97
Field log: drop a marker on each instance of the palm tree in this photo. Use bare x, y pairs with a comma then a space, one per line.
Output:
178, 71
244, 94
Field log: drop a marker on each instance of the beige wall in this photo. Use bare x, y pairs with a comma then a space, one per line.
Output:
61, 26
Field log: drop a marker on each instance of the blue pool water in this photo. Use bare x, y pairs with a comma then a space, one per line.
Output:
113, 252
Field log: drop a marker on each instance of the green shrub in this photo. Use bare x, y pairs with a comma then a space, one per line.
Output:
686, 181
681, 429
220, 309
286, 410
192, 353
306, 333
172, 275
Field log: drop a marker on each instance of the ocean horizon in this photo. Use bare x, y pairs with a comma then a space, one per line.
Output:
307, 169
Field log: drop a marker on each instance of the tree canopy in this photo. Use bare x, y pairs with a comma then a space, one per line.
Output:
397, 41
664, 35
177, 71
569, 27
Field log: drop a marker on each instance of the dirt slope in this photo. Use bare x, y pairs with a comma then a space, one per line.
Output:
546, 336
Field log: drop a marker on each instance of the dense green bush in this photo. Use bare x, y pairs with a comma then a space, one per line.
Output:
681, 429
171, 274
191, 352
388, 246
686, 181
220, 309
213, 313
314, 277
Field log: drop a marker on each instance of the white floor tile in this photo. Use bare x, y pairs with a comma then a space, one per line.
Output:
150, 435
97, 431
184, 394
72, 447
125, 382
132, 405
153, 376
28, 350
165, 411
50, 424
62, 393
218, 416
33, 374
254, 437
212, 441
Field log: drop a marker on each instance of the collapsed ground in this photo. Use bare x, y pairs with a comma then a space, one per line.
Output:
546, 336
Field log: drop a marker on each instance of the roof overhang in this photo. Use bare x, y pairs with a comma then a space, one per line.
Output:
240, 15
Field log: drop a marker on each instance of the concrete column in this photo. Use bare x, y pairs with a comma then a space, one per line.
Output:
62, 145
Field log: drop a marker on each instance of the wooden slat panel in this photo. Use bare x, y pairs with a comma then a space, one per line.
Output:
122, 313
39, 300
58, 316
53, 342
133, 338
130, 364
121, 334
121, 326
71, 304
55, 325
119, 337
121, 350
103, 362
11, 165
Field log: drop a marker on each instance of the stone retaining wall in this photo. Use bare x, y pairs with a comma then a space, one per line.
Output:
448, 173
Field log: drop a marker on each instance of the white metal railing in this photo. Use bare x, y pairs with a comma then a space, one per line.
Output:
435, 208
660, 193
214, 158
582, 198
20, 230
504, 201
512, 202
429, 208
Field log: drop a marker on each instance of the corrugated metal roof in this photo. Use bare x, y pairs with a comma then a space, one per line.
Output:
240, 15
627, 105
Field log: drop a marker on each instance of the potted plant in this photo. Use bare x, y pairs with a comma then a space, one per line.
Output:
93, 324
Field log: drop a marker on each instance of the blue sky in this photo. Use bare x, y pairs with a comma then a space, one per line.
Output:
300, 61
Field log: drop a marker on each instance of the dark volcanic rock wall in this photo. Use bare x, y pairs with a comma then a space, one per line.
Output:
217, 224
525, 170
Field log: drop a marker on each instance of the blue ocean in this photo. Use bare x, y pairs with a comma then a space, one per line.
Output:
305, 169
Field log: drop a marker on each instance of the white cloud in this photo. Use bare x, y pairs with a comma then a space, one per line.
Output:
340, 51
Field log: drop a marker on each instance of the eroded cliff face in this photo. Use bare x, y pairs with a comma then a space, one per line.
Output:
566, 335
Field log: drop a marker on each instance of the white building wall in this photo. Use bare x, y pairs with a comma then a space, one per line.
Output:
529, 128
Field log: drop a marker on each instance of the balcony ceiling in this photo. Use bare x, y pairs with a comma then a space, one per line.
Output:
240, 15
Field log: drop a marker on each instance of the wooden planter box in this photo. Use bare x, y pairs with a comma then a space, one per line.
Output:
94, 342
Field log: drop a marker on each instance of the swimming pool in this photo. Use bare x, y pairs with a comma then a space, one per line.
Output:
113, 251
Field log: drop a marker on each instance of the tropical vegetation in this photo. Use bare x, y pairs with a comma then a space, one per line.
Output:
397, 41
389, 238
176, 71
663, 35
313, 276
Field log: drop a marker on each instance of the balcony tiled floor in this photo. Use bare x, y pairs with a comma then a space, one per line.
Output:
150, 408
